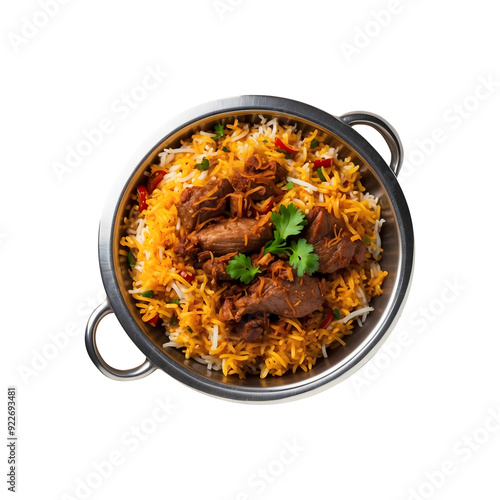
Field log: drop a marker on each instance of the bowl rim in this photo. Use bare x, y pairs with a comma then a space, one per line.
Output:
294, 110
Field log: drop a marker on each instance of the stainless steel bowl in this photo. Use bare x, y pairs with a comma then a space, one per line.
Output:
397, 237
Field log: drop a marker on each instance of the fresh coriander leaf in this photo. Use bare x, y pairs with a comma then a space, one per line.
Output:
204, 165
219, 131
174, 321
225, 149
321, 175
240, 267
289, 185
149, 294
288, 156
281, 151
190, 330
336, 313
277, 246
314, 143
288, 221
175, 301
265, 141
366, 240
303, 258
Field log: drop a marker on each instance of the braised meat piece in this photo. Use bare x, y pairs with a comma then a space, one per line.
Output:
217, 267
198, 204
332, 242
186, 246
337, 255
321, 223
277, 295
234, 235
251, 327
260, 179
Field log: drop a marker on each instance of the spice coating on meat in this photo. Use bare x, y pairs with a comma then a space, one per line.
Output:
234, 235
251, 327
333, 257
217, 267
321, 223
332, 242
292, 299
198, 204
260, 179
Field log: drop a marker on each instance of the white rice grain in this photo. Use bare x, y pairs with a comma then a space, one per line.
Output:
354, 314
179, 291
305, 184
215, 337
187, 177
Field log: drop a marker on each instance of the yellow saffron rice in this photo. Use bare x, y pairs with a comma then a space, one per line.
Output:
189, 311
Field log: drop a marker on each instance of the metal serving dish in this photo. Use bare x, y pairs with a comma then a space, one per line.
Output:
397, 238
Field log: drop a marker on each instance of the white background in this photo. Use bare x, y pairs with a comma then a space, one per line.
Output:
428, 405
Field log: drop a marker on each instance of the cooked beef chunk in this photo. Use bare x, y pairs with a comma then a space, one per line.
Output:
198, 204
292, 299
216, 268
234, 235
186, 246
259, 178
338, 255
332, 242
251, 327
321, 223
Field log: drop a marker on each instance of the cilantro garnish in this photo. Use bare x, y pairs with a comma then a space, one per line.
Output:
303, 258
219, 131
336, 313
149, 294
175, 301
289, 221
314, 143
289, 185
225, 149
240, 267
204, 165
366, 240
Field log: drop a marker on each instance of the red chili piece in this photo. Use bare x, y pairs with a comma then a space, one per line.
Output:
154, 180
187, 276
266, 209
289, 149
142, 196
325, 162
154, 320
328, 319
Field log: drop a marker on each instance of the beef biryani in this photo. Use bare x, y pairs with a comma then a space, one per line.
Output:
255, 246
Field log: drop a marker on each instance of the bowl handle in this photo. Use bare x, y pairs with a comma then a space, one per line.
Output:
385, 129
90, 341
